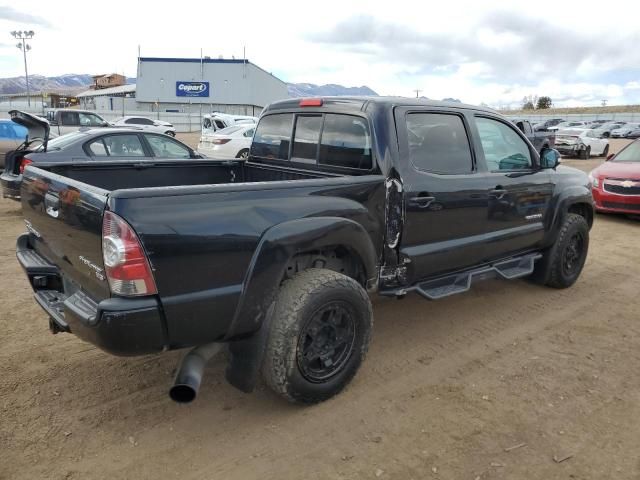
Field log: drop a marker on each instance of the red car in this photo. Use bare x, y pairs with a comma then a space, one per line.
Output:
615, 184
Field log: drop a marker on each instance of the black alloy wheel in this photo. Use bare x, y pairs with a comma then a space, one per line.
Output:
326, 342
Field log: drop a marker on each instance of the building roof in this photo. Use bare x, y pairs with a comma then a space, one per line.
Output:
119, 90
194, 60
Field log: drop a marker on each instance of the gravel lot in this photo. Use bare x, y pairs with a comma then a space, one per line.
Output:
495, 383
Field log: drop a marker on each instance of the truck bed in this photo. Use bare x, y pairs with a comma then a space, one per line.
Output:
200, 224
165, 173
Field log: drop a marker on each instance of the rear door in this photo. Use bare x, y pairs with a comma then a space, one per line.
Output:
445, 195
518, 190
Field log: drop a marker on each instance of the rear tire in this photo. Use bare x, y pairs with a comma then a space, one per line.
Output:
319, 335
243, 154
562, 264
170, 133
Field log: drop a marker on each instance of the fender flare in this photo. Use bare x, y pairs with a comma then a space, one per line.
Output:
262, 281
577, 194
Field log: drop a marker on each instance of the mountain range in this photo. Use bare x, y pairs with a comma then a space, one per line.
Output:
74, 83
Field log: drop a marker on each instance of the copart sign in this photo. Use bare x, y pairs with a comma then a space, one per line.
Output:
192, 89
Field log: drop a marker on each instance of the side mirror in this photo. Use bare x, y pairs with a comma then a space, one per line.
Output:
610, 156
105, 124
549, 158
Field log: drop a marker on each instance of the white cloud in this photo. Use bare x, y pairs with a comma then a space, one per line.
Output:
477, 51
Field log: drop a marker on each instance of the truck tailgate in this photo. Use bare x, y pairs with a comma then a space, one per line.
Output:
64, 218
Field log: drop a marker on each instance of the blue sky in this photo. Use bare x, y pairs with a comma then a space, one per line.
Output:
491, 52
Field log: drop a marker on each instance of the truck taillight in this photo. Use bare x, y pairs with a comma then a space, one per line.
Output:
24, 162
311, 102
125, 262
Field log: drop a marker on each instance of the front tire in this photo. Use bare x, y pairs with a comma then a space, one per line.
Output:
319, 335
170, 133
585, 154
562, 264
605, 152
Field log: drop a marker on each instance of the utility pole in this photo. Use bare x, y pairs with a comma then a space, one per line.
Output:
417, 93
25, 47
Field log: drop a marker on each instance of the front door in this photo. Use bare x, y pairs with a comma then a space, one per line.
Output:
519, 191
445, 197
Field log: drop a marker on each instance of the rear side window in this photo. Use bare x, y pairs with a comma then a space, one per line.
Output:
307, 136
69, 118
98, 148
273, 137
346, 142
438, 143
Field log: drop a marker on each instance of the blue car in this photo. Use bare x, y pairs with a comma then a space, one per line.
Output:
12, 136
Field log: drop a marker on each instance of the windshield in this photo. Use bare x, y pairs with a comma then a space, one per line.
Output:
629, 154
61, 142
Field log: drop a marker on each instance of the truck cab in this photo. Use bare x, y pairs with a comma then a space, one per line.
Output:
67, 120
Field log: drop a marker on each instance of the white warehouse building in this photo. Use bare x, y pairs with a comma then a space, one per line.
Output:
204, 84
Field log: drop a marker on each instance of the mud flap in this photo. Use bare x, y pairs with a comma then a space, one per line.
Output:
245, 357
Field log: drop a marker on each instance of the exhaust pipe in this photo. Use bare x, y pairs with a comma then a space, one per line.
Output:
189, 376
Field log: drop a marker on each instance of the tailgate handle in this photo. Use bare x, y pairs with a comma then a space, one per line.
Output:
52, 204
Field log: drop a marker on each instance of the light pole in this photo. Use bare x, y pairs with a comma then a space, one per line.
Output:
25, 47
161, 93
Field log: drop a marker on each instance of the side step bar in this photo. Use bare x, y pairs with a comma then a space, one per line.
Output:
461, 282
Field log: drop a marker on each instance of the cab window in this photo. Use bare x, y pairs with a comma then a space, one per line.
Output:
345, 142
273, 137
503, 148
438, 143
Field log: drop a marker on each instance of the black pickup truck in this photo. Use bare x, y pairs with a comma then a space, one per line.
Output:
275, 257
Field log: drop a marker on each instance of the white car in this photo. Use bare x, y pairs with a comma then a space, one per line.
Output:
230, 142
156, 126
214, 122
581, 142
569, 124
625, 130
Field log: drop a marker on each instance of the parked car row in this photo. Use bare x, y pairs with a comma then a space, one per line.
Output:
602, 128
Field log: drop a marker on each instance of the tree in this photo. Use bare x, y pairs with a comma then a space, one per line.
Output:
529, 102
544, 102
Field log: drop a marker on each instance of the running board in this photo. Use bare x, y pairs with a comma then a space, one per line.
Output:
461, 282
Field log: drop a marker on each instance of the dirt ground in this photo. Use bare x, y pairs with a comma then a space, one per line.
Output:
492, 384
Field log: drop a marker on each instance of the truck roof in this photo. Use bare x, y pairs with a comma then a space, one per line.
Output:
362, 102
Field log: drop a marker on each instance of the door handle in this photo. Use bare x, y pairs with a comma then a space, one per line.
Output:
498, 193
422, 201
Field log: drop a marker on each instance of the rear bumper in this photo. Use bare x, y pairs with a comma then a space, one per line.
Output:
614, 203
121, 326
11, 185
